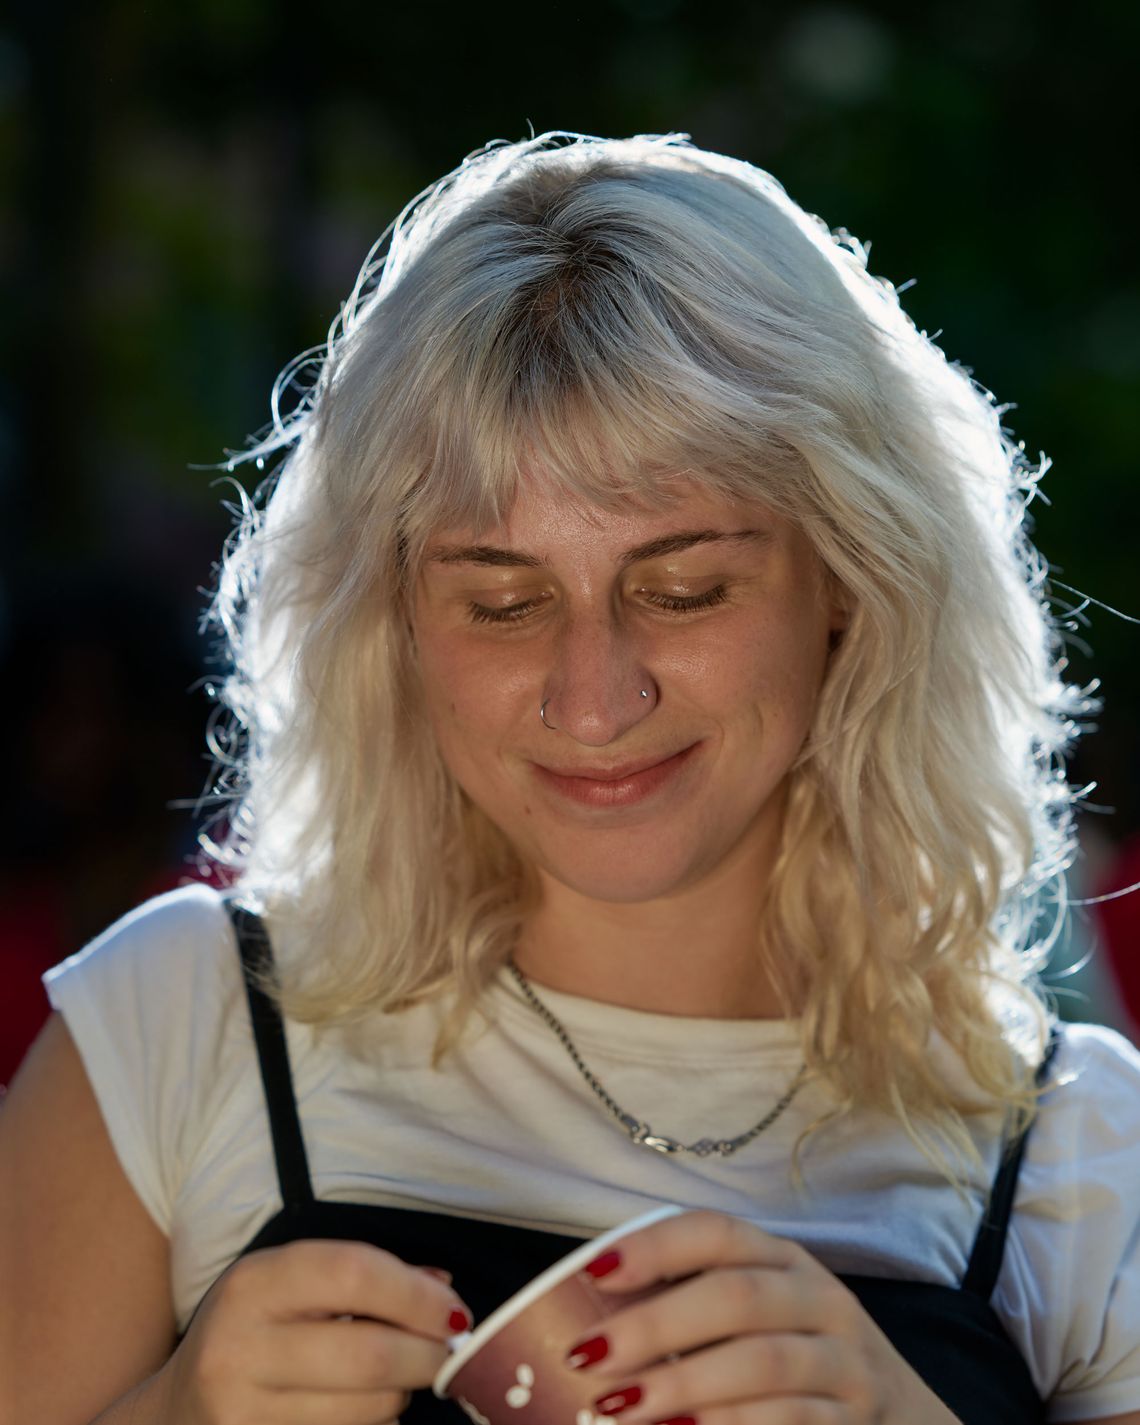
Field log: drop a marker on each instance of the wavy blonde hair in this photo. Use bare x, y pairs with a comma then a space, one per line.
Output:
611, 313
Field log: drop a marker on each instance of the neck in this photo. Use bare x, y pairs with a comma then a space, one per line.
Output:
693, 953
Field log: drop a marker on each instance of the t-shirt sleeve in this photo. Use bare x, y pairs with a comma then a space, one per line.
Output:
1071, 1279
144, 1003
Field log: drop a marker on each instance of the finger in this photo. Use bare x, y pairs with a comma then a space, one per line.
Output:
345, 1356
438, 1273
687, 1243
710, 1307
747, 1368
325, 1278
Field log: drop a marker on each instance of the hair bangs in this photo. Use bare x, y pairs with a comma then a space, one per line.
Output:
573, 417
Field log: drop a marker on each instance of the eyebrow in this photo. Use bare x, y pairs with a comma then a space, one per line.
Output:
652, 549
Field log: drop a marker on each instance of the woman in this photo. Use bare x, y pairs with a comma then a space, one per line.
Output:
640, 647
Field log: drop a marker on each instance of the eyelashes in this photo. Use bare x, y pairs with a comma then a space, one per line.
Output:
696, 601
479, 614
671, 603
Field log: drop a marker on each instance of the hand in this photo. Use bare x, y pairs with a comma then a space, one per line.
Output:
312, 1333
757, 1333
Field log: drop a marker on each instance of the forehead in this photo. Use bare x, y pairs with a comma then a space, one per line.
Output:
546, 524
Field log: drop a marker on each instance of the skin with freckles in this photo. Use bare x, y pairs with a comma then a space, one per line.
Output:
721, 612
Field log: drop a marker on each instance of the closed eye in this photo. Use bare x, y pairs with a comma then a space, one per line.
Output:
672, 603
479, 613
687, 605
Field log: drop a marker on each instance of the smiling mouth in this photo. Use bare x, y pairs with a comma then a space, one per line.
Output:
612, 787
610, 774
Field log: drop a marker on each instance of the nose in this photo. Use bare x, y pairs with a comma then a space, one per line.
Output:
599, 686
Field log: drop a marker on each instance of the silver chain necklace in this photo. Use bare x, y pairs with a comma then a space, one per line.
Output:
641, 1132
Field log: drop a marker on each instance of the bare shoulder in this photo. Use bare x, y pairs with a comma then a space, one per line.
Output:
91, 1313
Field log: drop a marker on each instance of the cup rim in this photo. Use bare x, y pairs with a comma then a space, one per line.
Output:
564, 1267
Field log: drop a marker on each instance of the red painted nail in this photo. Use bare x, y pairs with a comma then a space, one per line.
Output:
678, 1420
459, 1320
585, 1353
618, 1400
603, 1265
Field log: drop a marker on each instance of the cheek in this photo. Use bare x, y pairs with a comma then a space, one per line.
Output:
467, 693
770, 662
803, 675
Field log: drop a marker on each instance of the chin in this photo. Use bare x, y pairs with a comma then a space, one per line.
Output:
618, 881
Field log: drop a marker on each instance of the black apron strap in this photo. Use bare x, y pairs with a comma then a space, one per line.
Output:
273, 1058
989, 1245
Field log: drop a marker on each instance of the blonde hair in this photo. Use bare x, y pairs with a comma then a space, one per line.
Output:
610, 313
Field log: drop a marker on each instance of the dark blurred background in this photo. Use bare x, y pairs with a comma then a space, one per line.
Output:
188, 192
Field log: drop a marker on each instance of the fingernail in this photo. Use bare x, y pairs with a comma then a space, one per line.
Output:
459, 1320
618, 1400
585, 1353
678, 1420
603, 1265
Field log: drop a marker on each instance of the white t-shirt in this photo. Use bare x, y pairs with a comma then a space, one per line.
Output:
508, 1131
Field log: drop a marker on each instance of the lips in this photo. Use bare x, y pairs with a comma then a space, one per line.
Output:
609, 788
610, 774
